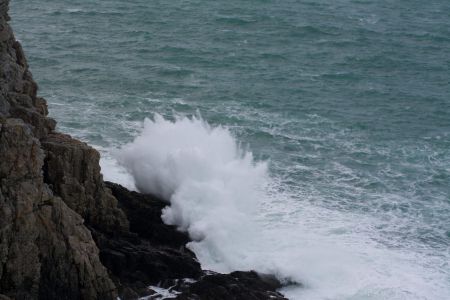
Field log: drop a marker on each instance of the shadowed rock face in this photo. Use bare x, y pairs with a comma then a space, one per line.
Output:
45, 250
63, 233
151, 252
73, 170
155, 253
233, 286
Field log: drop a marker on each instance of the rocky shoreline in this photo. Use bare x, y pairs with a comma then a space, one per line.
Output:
65, 233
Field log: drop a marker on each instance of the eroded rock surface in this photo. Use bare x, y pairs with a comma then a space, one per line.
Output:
64, 234
233, 286
72, 168
151, 252
156, 254
46, 252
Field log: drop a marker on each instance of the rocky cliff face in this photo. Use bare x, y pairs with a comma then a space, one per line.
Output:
45, 249
63, 233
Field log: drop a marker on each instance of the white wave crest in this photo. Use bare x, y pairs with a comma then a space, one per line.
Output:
213, 186
223, 199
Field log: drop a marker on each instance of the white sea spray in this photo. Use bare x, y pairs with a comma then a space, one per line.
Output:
229, 205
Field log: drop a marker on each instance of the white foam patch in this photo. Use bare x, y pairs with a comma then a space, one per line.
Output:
212, 185
114, 172
161, 294
74, 10
232, 209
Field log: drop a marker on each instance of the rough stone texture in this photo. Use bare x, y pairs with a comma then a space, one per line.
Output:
233, 286
20, 197
73, 170
18, 97
63, 233
144, 213
155, 254
153, 251
45, 250
70, 268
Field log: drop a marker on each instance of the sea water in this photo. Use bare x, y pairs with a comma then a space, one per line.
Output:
309, 139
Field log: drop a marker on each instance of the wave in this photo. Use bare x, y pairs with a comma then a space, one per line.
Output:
239, 220
211, 183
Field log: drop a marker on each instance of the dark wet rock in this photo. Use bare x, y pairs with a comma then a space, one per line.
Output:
72, 169
215, 286
152, 251
158, 256
144, 213
45, 250
233, 286
64, 233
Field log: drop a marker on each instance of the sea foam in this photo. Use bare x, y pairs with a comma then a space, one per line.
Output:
239, 220
213, 186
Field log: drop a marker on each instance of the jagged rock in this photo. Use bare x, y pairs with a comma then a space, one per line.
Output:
73, 170
70, 268
152, 252
233, 286
157, 255
63, 234
18, 97
45, 250
144, 213
20, 194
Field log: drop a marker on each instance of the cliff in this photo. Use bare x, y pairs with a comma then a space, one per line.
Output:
66, 234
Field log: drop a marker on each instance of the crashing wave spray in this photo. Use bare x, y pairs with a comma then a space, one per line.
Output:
222, 198
213, 186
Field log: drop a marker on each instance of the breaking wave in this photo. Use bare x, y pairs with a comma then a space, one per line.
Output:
238, 220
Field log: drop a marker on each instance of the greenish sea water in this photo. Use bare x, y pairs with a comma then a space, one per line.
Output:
347, 101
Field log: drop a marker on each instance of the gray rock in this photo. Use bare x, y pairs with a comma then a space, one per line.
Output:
46, 251
18, 90
60, 224
72, 168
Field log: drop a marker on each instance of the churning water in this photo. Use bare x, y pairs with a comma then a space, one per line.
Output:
310, 139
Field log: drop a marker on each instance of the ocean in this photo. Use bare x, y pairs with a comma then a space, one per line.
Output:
308, 139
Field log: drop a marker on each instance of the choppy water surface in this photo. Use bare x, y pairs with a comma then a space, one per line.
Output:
347, 103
